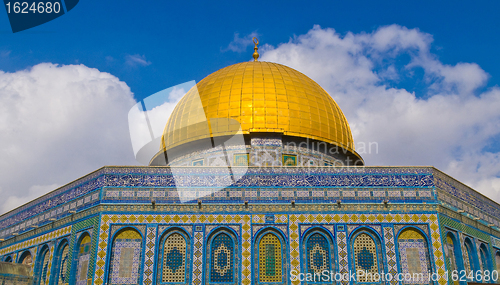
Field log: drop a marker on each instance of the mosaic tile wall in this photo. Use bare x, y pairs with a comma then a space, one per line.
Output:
260, 152
108, 221
87, 191
82, 260
61, 276
126, 258
279, 186
79, 228
414, 256
470, 240
44, 272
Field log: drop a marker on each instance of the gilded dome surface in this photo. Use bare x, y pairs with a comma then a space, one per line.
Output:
262, 97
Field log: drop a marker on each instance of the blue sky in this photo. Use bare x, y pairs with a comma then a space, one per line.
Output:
184, 40
420, 79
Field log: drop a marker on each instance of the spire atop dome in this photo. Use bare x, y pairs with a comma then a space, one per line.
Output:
255, 53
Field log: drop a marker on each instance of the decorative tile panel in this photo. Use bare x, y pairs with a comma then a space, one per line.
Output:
149, 260
244, 220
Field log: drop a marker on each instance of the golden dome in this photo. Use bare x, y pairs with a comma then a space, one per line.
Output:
263, 97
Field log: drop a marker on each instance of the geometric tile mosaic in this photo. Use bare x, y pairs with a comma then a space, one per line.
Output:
393, 218
174, 259
198, 258
38, 240
222, 259
365, 256
125, 261
270, 259
243, 220
343, 255
61, 274
318, 254
390, 252
414, 259
82, 260
149, 260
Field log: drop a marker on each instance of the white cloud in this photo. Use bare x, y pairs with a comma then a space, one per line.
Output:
58, 123
448, 126
135, 60
240, 44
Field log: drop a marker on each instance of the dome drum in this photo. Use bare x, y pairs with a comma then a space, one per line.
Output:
256, 149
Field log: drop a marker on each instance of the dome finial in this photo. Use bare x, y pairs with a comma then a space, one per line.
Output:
255, 53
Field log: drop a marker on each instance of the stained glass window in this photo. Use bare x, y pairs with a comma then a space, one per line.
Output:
270, 259
125, 258
174, 259
365, 256
222, 259
318, 254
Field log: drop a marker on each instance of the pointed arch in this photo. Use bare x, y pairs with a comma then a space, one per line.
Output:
414, 257
222, 251
61, 263
366, 252
270, 259
471, 263
174, 267
497, 260
81, 257
25, 258
8, 258
318, 250
484, 257
453, 255
125, 260
42, 266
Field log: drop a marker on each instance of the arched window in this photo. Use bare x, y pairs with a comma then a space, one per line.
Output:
450, 252
367, 258
174, 267
42, 266
8, 258
81, 260
270, 258
125, 261
469, 257
222, 255
414, 255
317, 247
26, 258
61, 264
484, 258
